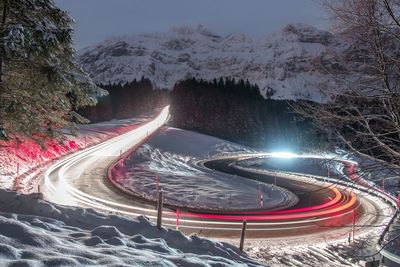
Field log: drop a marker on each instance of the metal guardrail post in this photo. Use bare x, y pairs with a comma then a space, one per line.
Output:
159, 208
39, 194
156, 184
354, 224
243, 235
177, 220
17, 179
398, 202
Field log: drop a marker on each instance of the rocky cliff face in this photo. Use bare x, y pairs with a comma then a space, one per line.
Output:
294, 63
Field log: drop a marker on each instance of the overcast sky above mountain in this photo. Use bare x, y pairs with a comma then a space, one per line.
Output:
98, 19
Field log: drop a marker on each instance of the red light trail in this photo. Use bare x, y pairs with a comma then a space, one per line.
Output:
60, 188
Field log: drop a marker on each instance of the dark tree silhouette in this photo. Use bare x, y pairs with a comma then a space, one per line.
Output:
126, 101
235, 110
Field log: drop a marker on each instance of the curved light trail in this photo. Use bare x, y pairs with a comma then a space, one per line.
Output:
63, 185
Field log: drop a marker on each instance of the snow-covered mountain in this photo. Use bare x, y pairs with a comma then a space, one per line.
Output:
295, 62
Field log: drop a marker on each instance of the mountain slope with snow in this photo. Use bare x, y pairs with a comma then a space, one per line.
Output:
294, 62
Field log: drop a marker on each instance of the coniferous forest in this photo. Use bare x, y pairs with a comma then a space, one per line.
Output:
225, 108
126, 101
236, 111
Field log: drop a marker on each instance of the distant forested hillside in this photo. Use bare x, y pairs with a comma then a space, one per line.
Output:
126, 101
229, 109
236, 111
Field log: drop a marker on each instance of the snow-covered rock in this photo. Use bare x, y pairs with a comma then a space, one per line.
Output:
295, 62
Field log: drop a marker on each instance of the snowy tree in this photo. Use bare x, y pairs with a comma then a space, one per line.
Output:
365, 116
40, 83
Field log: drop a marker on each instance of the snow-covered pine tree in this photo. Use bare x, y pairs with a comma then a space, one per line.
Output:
40, 83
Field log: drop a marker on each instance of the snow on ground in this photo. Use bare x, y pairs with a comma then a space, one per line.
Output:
173, 155
22, 162
35, 233
316, 253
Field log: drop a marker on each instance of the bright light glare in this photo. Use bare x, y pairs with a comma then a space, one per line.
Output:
287, 155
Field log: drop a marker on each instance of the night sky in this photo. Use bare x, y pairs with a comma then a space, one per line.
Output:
98, 19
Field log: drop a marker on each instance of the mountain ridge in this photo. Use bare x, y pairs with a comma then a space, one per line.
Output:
294, 63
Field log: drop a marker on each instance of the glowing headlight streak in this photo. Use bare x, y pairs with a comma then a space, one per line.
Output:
287, 155
57, 192
290, 216
62, 192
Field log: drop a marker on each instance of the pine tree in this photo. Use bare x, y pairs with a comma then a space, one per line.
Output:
40, 83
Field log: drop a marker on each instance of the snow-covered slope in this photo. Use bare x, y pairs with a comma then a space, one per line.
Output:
34, 233
295, 62
174, 155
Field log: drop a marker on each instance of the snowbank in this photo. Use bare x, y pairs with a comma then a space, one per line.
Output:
34, 232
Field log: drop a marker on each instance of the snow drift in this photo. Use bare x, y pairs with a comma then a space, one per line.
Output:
34, 232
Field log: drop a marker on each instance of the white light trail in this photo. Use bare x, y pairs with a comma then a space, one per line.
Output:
59, 189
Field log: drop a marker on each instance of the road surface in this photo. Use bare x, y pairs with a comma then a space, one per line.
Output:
324, 209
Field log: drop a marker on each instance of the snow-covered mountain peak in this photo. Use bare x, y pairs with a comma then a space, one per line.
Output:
288, 62
197, 32
304, 33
